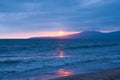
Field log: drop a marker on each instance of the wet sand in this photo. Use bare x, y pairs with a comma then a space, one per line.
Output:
111, 74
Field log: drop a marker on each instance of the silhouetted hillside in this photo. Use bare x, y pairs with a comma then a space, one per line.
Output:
87, 35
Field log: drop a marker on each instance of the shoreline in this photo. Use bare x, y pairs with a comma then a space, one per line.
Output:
109, 74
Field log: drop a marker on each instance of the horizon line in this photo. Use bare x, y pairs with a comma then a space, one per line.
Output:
58, 36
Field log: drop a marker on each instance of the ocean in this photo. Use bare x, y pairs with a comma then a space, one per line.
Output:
42, 59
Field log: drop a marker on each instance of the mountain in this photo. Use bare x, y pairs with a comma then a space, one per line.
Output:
94, 35
87, 35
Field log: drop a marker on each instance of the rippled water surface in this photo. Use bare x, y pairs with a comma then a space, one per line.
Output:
45, 59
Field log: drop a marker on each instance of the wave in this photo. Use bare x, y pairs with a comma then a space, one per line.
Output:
92, 46
53, 63
13, 60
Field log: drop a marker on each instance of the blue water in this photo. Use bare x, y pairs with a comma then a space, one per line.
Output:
43, 59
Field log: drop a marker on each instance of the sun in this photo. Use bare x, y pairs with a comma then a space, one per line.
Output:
61, 33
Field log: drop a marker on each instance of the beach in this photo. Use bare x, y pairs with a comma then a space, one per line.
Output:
110, 74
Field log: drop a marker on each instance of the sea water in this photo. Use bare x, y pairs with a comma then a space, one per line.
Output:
42, 59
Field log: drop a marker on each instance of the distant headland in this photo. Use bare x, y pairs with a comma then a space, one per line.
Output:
86, 35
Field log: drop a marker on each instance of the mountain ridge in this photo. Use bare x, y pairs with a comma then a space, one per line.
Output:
87, 35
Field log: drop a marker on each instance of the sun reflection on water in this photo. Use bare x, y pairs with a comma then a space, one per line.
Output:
63, 72
61, 54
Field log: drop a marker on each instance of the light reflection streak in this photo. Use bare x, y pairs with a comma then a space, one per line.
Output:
61, 54
63, 72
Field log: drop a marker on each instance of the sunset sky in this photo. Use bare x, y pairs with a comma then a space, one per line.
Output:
28, 18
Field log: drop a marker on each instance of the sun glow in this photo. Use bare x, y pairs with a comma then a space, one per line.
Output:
61, 33
38, 34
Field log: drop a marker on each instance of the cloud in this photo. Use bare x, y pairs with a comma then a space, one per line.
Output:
87, 3
95, 3
52, 15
